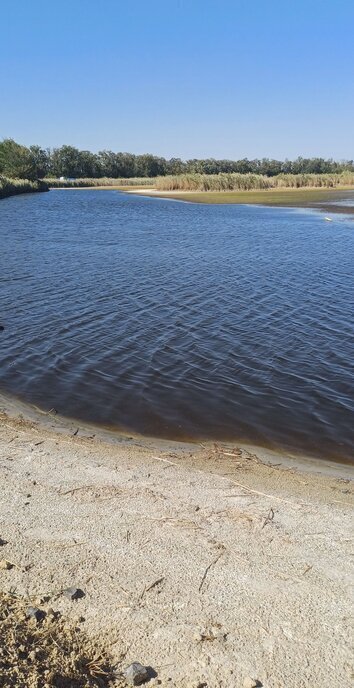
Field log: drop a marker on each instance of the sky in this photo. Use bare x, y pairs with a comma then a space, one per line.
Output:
180, 78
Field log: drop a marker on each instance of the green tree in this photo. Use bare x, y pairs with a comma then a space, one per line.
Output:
17, 161
40, 161
175, 166
65, 162
148, 165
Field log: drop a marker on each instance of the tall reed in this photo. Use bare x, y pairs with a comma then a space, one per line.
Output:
11, 187
249, 181
103, 181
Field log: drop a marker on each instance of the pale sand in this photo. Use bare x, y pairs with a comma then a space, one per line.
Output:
206, 566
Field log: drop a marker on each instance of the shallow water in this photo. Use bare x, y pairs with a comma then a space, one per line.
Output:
181, 320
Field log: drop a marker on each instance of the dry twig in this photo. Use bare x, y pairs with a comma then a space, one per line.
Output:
208, 569
268, 518
155, 583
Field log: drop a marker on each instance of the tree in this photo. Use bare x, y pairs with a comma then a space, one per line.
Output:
175, 166
65, 162
88, 164
107, 163
40, 161
18, 161
148, 165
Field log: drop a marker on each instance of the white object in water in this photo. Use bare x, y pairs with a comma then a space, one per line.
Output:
328, 219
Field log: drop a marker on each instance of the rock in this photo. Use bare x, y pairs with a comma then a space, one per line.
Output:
35, 613
136, 674
73, 593
2, 542
250, 682
6, 565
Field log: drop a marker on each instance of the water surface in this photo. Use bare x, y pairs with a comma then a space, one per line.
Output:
181, 320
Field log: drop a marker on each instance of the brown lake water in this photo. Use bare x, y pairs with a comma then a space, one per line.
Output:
181, 320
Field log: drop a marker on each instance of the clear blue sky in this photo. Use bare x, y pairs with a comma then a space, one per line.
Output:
184, 78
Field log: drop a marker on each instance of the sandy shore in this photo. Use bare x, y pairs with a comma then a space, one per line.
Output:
210, 564
317, 199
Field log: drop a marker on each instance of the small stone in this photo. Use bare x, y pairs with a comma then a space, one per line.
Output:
136, 674
2, 542
250, 682
73, 593
52, 614
6, 565
35, 613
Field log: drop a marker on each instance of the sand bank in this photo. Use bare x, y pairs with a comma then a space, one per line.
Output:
318, 199
208, 563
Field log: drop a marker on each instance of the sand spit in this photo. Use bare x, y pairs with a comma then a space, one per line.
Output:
204, 562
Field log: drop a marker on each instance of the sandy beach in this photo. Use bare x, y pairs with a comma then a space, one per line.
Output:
211, 564
324, 200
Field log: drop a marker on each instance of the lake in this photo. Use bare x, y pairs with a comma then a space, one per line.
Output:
181, 320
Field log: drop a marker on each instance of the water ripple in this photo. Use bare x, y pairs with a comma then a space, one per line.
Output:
181, 320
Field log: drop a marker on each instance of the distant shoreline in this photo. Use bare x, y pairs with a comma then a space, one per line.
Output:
305, 197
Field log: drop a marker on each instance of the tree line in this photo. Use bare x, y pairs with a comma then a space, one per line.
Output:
34, 162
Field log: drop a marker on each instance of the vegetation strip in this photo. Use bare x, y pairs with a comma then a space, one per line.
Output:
35, 162
83, 182
12, 187
248, 182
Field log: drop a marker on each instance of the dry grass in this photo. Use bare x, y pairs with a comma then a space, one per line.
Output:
48, 653
11, 187
55, 183
249, 181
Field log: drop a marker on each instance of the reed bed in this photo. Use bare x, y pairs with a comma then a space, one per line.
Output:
11, 187
56, 183
327, 181
249, 181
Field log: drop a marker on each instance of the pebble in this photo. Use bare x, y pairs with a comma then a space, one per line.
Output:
136, 674
73, 593
52, 614
251, 682
35, 613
